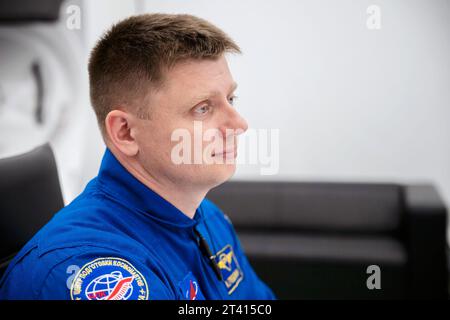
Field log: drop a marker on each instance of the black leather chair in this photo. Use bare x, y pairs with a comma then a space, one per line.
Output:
316, 240
26, 11
30, 195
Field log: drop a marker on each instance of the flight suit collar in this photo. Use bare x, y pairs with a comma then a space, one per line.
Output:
114, 179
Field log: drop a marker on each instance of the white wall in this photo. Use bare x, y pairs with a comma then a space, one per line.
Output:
351, 103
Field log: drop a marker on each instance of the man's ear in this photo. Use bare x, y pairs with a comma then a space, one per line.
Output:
119, 128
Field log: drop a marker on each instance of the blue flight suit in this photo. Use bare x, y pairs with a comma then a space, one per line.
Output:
120, 240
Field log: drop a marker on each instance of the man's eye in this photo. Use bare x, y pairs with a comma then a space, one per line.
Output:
202, 109
232, 100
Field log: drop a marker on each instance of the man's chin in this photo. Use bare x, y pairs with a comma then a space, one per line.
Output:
220, 173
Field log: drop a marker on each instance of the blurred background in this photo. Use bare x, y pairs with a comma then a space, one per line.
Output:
360, 90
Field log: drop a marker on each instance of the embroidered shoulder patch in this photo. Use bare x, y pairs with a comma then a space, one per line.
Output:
109, 279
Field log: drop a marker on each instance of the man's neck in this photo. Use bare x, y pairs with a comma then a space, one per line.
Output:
187, 200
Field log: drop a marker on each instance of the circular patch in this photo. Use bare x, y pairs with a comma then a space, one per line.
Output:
109, 279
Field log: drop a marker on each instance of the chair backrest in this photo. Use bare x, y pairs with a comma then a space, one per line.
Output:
30, 195
29, 10
311, 206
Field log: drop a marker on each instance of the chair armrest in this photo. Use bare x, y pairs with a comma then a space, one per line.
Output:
426, 229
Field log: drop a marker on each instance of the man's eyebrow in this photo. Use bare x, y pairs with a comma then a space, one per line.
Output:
203, 97
234, 86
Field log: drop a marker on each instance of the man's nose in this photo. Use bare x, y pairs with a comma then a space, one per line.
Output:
233, 121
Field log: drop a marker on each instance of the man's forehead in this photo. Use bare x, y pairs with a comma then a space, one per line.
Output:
199, 72
199, 77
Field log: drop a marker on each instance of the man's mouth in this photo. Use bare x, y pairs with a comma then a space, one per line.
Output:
226, 153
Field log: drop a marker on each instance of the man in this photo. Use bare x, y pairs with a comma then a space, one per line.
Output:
142, 229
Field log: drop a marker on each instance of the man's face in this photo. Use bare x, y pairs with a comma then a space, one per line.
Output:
195, 104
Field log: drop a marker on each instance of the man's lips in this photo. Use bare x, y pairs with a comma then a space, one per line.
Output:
225, 152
